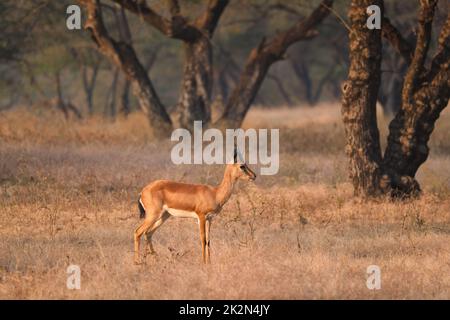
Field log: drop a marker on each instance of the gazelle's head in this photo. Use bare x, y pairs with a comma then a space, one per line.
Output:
240, 170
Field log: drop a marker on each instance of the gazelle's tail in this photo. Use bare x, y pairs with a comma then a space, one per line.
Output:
141, 209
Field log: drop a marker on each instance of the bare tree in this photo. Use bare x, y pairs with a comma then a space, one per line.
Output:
124, 57
425, 93
196, 89
194, 102
111, 96
89, 79
60, 103
260, 60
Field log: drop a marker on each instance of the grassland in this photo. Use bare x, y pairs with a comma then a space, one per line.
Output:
68, 194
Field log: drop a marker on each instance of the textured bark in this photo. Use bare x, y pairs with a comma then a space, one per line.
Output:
425, 94
259, 62
359, 98
177, 27
196, 89
124, 57
194, 103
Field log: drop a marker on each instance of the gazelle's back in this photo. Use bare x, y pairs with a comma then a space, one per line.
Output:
177, 195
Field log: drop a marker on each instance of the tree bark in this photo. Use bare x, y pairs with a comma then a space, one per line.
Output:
196, 89
194, 103
425, 94
359, 98
259, 62
124, 57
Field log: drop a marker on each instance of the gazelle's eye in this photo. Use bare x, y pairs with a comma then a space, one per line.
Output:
242, 167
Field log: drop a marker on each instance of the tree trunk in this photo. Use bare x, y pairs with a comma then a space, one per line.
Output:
124, 57
148, 99
59, 97
195, 96
196, 88
359, 98
60, 103
89, 84
302, 73
110, 106
425, 94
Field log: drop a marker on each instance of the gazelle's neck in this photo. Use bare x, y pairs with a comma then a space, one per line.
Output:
225, 189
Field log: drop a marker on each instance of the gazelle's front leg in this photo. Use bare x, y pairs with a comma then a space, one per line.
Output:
208, 243
202, 226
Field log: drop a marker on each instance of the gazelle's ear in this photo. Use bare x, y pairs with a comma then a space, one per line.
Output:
235, 154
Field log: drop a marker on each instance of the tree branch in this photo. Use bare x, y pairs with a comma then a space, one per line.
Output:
209, 19
99, 34
417, 66
443, 51
304, 29
261, 58
124, 57
177, 27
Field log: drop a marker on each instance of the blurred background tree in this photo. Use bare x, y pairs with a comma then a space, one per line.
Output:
36, 49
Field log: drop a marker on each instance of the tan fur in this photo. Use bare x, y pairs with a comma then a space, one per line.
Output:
202, 200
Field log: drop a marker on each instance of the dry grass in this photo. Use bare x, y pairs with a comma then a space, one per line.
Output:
68, 196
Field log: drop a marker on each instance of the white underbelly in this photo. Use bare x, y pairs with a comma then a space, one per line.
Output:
180, 213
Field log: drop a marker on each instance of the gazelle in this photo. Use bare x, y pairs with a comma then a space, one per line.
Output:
163, 198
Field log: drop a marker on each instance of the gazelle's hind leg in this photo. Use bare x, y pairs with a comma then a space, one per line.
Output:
207, 233
151, 231
147, 224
